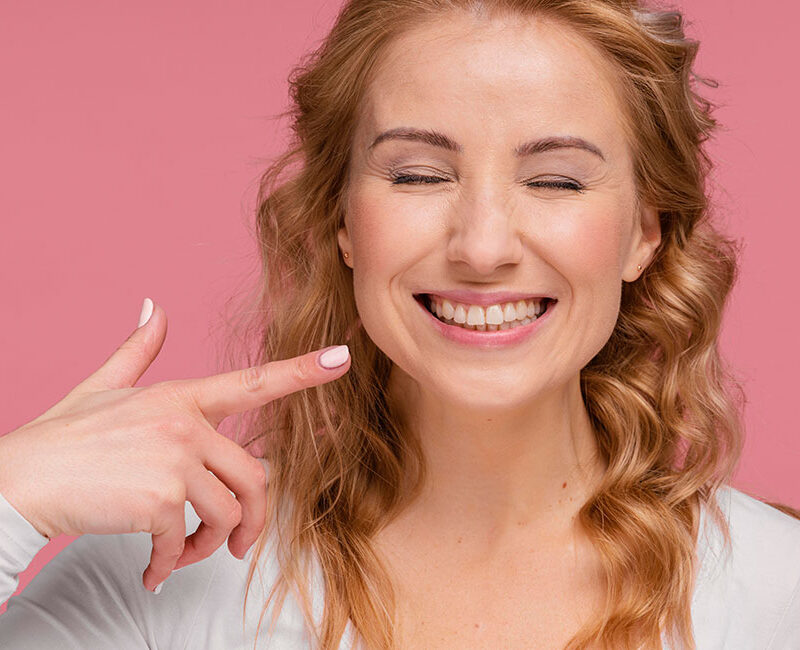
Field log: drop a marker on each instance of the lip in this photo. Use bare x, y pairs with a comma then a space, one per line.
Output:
485, 298
487, 339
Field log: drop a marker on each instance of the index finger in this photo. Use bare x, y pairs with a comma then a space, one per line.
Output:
219, 396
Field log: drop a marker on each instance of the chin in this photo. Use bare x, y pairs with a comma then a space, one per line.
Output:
486, 394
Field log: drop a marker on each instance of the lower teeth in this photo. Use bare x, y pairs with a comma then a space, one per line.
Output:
490, 328
487, 327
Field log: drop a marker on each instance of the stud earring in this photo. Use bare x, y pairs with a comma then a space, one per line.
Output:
638, 267
346, 255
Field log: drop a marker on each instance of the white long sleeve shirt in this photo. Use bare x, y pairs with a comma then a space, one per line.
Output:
90, 596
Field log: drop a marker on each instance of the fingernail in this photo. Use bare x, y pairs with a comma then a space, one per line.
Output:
157, 590
147, 311
334, 357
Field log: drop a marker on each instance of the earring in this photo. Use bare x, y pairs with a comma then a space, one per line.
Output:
638, 267
346, 255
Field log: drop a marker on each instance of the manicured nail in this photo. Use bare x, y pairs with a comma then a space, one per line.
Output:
147, 311
334, 357
157, 590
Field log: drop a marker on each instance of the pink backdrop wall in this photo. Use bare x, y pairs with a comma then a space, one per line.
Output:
132, 135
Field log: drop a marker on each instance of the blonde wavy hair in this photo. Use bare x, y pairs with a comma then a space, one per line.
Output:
666, 409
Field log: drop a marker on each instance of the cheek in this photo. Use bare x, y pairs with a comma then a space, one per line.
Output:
583, 243
590, 246
586, 251
388, 234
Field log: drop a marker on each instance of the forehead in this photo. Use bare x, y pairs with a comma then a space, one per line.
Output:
494, 76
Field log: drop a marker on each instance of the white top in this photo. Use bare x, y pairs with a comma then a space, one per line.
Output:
91, 595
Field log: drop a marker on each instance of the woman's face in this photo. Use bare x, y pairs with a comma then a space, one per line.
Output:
558, 219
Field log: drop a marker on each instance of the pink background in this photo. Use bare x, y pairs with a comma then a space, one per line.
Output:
132, 137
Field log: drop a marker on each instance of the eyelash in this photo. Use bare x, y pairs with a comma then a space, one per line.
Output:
414, 179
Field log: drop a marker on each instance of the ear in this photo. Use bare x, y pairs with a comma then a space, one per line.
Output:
345, 246
644, 242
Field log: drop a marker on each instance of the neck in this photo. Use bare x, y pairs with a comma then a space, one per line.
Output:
496, 474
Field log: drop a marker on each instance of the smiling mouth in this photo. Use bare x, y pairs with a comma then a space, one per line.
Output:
501, 316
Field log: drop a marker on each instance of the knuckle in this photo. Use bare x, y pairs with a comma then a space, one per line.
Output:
176, 427
302, 370
234, 515
170, 497
254, 379
259, 473
165, 404
174, 553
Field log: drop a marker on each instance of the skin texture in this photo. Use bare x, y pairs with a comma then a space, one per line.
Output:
508, 444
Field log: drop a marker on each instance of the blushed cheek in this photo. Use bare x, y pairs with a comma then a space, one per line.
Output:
384, 245
367, 224
590, 262
591, 248
387, 235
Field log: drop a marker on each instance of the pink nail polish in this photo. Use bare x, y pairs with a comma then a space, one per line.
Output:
334, 357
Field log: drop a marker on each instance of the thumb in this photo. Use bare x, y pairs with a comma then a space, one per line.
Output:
130, 360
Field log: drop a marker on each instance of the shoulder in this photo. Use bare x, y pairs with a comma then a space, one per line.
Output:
746, 593
762, 537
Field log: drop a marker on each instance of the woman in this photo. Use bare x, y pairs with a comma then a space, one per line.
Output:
500, 209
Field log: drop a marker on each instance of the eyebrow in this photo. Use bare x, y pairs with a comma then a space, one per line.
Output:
436, 139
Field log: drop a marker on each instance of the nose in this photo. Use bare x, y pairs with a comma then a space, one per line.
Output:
484, 233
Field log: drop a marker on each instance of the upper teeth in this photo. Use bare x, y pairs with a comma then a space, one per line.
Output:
491, 315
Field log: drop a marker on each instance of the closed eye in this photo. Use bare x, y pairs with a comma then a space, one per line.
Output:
414, 179
406, 179
560, 184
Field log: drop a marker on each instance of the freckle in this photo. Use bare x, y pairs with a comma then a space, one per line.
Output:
459, 540
565, 485
477, 624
